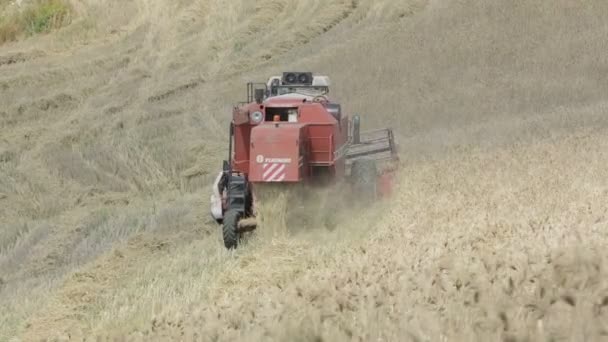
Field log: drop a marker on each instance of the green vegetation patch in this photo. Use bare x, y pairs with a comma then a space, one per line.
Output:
38, 16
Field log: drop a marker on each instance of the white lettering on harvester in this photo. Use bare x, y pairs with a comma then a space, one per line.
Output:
278, 160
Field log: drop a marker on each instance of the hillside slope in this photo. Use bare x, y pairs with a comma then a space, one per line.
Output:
113, 128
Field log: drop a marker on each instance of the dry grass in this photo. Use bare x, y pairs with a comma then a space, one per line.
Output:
108, 146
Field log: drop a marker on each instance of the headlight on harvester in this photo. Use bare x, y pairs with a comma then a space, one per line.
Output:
256, 117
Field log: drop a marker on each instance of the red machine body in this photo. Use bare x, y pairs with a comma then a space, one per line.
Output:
288, 131
277, 150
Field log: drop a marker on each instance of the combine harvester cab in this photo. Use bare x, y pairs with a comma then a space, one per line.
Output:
289, 132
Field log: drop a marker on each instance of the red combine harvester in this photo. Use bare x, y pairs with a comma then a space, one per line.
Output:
289, 131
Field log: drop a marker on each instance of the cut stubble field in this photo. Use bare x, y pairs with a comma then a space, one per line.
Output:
113, 127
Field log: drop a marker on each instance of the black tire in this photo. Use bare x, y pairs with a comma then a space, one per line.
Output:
230, 228
364, 175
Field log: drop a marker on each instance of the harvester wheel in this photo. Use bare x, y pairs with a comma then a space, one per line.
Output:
230, 228
364, 175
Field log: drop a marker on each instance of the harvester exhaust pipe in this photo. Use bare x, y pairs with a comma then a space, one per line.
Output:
356, 129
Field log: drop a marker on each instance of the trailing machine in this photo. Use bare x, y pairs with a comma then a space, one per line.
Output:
289, 131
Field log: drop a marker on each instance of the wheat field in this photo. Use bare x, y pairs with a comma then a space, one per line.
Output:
113, 127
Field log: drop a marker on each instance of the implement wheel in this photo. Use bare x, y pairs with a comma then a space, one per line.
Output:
230, 228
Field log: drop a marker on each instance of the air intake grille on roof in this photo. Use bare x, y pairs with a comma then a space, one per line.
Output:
303, 78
